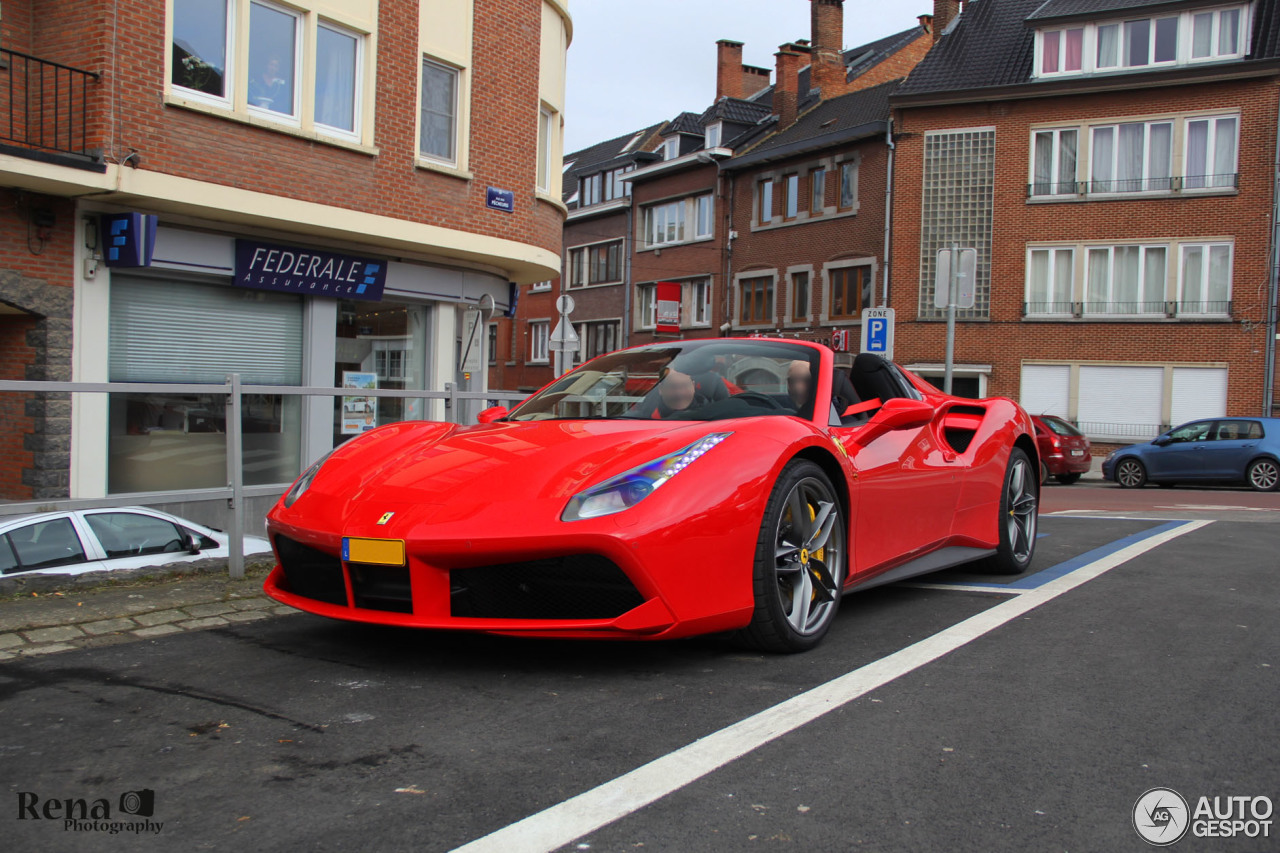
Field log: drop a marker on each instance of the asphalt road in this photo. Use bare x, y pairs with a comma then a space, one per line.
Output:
1038, 732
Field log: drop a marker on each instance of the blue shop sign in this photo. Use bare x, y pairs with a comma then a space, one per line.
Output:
289, 269
128, 239
500, 199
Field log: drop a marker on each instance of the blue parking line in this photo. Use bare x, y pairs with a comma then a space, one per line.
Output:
1052, 573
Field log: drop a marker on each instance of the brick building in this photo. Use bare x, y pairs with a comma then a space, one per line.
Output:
1114, 165
779, 193
336, 186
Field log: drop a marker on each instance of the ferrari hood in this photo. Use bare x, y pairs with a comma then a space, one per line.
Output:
449, 472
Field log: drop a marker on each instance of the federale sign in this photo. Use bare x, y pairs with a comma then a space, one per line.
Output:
310, 272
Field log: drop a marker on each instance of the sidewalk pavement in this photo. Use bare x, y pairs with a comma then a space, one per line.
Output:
73, 616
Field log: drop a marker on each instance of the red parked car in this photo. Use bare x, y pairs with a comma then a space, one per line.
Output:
1064, 451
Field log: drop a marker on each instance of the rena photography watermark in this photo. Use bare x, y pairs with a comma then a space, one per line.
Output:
1162, 817
82, 814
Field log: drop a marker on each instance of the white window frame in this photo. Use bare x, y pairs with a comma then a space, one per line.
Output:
1144, 251
1183, 54
1051, 267
1205, 248
700, 296
229, 71
658, 220
539, 336
713, 135
707, 201
357, 105
1146, 178
1063, 189
671, 148
589, 190
546, 135
457, 90
299, 64
646, 306
1211, 151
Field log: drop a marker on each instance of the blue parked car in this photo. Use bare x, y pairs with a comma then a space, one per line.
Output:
1220, 450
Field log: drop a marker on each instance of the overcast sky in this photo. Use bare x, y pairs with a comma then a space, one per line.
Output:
633, 64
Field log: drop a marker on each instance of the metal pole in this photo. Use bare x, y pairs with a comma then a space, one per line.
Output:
951, 321
235, 473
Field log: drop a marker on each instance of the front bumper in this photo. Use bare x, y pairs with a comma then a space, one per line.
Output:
594, 586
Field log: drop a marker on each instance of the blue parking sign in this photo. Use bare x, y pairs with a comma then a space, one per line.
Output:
877, 331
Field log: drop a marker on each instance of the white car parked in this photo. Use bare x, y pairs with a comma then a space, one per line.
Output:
91, 540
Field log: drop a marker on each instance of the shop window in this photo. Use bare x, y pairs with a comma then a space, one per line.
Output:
180, 332
379, 345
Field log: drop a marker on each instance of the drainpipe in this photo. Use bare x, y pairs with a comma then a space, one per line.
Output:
1269, 374
624, 339
888, 215
728, 260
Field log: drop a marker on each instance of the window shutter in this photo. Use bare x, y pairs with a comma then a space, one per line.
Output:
1046, 389
163, 331
1198, 392
1121, 401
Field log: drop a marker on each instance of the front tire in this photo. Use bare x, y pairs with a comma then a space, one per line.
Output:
800, 562
1264, 475
1130, 474
1019, 517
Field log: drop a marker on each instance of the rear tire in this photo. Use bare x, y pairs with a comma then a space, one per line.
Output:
800, 563
1264, 475
1131, 474
1067, 479
1018, 520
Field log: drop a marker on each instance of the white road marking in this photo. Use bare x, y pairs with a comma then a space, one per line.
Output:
564, 822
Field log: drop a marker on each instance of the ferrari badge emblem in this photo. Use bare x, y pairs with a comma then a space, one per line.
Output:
386, 516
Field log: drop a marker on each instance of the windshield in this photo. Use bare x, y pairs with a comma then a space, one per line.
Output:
694, 380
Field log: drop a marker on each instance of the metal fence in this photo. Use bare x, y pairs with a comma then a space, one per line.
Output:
44, 105
235, 492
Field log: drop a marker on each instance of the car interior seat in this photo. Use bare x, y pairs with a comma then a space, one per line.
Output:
872, 379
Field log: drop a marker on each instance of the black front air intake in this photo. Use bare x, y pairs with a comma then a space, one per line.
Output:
381, 587
311, 573
578, 586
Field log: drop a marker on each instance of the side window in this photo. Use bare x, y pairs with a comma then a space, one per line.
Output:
46, 544
1192, 432
8, 560
1238, 430
128, 534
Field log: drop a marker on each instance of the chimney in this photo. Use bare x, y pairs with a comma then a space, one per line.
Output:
754, 79
827, 71
729, 68
786, 85
944, 12
926, 23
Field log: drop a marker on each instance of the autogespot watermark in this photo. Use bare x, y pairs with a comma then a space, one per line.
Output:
81, 814
1163, 817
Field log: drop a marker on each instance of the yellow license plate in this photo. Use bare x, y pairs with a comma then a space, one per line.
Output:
378, 552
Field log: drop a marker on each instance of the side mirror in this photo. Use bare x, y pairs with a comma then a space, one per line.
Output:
492, 414
1162, 440
190, 543
898, 413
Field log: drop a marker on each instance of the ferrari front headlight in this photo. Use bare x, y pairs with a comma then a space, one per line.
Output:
630, 487
303, 483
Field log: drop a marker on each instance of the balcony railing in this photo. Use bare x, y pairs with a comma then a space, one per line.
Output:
1121, 432
1168, 309
44, 107
1189, 183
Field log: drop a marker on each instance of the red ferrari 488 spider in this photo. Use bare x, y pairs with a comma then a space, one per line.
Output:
730, 485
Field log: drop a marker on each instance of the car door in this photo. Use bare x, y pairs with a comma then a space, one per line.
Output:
1182, 458
907, 484
1233, 447
48, 545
